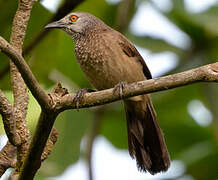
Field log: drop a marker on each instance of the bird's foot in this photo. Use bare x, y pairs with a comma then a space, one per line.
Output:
79, 96
119, 89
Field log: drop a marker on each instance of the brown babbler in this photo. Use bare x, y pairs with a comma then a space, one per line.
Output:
107, 58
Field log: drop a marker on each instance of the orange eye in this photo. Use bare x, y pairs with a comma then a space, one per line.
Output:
73, 18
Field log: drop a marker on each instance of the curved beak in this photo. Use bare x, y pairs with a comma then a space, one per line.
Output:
56, 24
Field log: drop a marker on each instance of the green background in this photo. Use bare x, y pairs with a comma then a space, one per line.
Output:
52, 60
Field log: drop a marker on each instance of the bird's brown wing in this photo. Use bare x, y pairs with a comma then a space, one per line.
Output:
145, 139
131, 51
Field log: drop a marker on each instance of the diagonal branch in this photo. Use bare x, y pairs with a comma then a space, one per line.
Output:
50, 143
63, 10
207, 73
64, 101
26, 73
40, 138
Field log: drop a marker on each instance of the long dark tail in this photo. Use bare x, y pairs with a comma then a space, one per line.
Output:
145, 139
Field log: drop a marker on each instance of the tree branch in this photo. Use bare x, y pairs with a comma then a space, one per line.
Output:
62, 101
50, 144
38, 143
37, 146
27, 75
63, 10
21, 97
6, 110
7, 155
207, 73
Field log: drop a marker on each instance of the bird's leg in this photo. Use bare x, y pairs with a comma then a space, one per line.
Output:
119, 88
79, 96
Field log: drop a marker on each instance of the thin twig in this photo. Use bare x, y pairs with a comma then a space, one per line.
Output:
50, 144
7, 155
6, 110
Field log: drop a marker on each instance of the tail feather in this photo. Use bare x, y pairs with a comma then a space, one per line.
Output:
145, 139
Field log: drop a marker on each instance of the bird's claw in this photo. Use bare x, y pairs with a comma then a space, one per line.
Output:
119, 88
79, 96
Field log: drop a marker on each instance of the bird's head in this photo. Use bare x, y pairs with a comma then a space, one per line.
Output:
77, 23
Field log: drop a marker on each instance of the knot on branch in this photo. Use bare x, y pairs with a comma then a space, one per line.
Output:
27, 4
211, 72
214, 67
57, 94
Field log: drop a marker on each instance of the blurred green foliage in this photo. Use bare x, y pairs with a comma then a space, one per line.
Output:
187, 141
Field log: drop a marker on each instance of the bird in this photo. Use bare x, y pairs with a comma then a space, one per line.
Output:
108, 59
